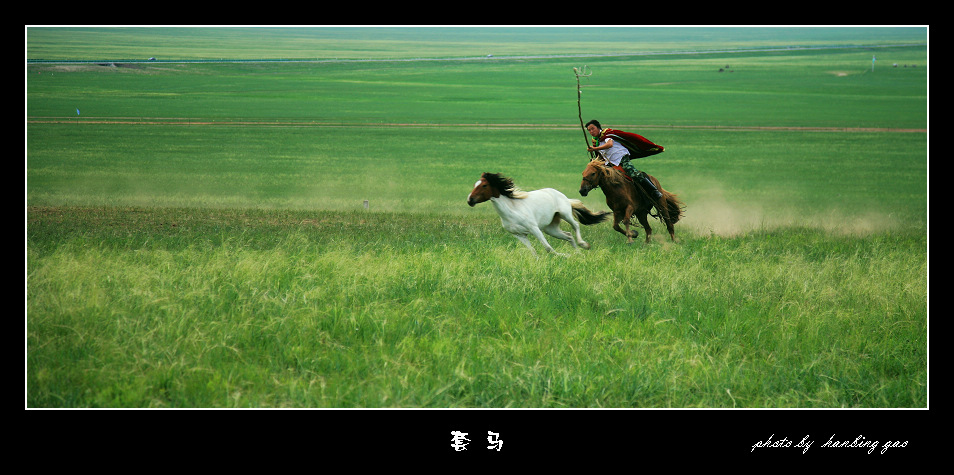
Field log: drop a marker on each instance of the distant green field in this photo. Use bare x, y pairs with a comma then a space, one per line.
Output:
831, 88
188, 43
197, 236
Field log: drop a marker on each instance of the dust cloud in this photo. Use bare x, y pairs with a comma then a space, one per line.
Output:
710, 212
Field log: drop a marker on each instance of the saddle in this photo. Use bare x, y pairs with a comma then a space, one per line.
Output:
625, 175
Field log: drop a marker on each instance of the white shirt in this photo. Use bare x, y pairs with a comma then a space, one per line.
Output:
613, 154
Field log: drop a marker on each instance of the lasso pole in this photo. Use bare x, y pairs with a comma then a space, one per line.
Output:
579, 109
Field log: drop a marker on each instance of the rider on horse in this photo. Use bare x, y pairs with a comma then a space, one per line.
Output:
618, 148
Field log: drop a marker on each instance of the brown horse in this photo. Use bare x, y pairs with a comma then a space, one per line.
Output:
626, 200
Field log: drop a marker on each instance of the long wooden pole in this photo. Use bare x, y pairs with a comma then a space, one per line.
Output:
579, 107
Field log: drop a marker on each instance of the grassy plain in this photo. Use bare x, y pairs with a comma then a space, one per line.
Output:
376, 43
196, 236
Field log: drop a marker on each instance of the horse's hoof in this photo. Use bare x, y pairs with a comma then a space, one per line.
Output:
585, 245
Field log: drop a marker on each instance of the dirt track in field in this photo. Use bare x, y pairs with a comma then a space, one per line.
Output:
317, 124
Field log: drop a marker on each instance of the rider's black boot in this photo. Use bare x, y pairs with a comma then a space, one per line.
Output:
649, 187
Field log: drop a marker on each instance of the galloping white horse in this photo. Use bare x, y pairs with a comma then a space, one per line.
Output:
534, 212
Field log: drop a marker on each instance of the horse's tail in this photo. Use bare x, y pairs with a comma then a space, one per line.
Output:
585, 216
673, 206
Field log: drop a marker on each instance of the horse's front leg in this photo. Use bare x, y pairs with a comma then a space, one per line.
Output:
619, 216
617, 228
523, 238
628, 221
625, 232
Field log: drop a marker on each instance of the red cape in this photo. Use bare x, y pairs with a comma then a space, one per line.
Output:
637, 145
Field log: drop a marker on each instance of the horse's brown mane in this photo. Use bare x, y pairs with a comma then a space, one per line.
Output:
613, 176
504, 185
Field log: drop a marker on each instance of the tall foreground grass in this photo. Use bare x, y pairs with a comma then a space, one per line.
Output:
133, 307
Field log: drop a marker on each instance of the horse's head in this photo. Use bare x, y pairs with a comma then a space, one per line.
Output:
591, 176
494, 185
483, 191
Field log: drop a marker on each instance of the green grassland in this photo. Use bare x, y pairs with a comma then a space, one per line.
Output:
199, 44
196, 235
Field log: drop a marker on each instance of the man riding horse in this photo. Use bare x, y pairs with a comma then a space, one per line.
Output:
618, 148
